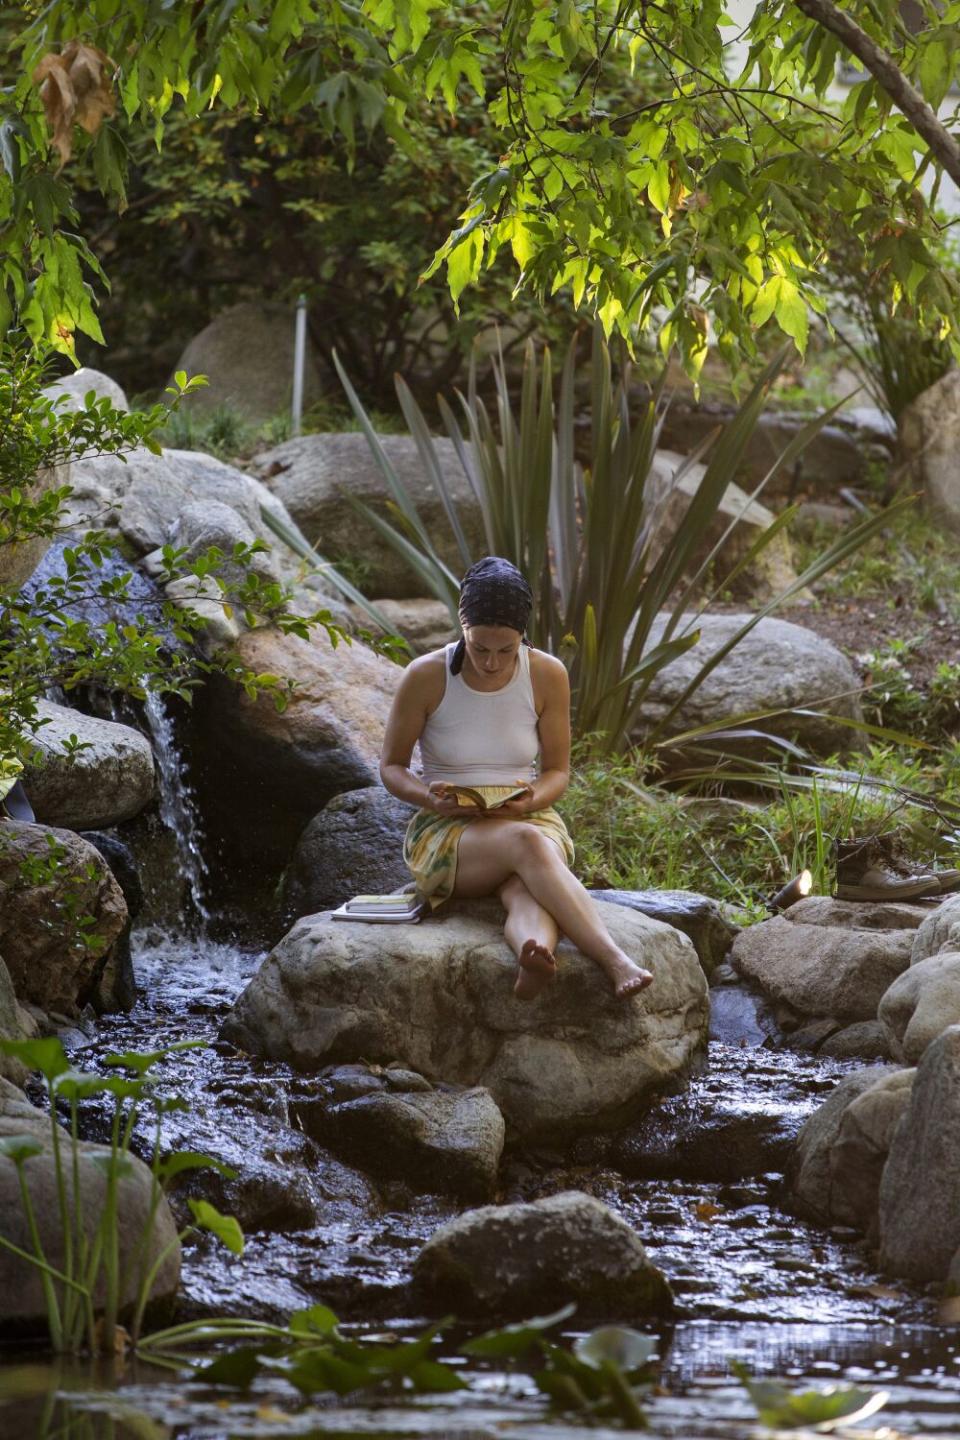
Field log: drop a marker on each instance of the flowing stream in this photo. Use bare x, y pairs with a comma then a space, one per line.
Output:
752, 1282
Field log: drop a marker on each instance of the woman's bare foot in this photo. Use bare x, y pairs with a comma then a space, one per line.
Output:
625, 976
536, 967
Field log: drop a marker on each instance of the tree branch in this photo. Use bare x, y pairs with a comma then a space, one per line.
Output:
890, 78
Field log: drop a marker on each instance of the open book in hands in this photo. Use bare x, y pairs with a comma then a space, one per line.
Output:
485, 797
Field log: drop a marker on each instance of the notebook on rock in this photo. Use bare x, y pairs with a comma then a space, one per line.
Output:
406, 908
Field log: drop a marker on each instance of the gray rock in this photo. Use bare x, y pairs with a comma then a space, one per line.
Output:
49, 881
705, 1139
110, 779
527, 1259
75, 387
939, 931
929, 436
739, 1016
813, 1034
777, 666
857, 914
696, 915
822, 970
18, 561
810, 1173
920, 1004
353, 847
437, 1141
21, 1294
866, 1040
426, 624
920, 1190
246, 352
438, 998
313, 474
16, 1023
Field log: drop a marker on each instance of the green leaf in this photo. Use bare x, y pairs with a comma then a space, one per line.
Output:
184, 1160
237, 1367
514, 1341
225, 1227
463, 264
316, 1320
46, 1055
784, 1409
19, 1148
791, 314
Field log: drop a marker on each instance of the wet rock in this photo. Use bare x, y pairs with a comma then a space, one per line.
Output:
313, 474
777, 666
857, 914
109, 779
866, 1040
822, 970
920, 1004
810, 1173
521, 1260
739, 1016
438, 998
859, 1152
813, 1034
353, 847
22, 1305
708, 1141
267, 772
16, 1023
920, 1190
939, 931
61, 911
447, 1141
698, 916
247, 353
117, 985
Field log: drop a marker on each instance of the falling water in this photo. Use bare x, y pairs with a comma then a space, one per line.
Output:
177, 805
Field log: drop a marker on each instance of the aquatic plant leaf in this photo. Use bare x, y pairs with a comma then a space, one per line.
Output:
316, 1320
20, 1147
143, 1060
225, 1227
784, 1409
236, 1367
113, 1163
46, 1055
318, 1370
433, 1378
513, 1341
183, 1160
616, 1345
563, 1390
80, 1085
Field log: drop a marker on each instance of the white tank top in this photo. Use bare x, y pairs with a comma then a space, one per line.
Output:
477, 737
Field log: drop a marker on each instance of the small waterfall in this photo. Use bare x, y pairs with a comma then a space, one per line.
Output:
177, 804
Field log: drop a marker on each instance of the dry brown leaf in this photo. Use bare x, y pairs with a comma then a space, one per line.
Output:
707, 1211
76, 88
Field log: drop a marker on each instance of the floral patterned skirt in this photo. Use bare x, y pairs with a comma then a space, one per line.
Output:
432, 841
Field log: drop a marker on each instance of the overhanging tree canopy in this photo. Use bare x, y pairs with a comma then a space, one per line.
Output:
708, 203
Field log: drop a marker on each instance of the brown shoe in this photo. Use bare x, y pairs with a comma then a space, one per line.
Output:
870, 869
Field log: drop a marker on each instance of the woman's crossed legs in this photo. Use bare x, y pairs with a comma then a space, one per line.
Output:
543, 900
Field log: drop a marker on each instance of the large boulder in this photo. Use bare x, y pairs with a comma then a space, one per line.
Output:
857, 914
819, 1188
425, 624
528, 1259
920, 1190
22, 1305
777, 666
61, 911
864, 1040
929, 436
107, 779
920, 1004
19, 560
939, 931
438, 997
822, 969
314, 474
264, 771
246, 353
736, 526
69, 392
15, 1024
353, 847
698, 916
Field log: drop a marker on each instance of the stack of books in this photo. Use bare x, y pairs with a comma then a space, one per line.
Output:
404, 909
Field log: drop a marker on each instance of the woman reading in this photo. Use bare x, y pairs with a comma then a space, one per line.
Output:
493, 714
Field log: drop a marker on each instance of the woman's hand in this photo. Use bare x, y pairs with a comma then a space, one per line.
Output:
523, 804
440, 801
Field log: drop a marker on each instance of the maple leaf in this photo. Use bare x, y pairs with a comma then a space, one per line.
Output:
76, 88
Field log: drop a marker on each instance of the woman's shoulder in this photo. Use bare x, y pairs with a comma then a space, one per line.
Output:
425, 676
549, 678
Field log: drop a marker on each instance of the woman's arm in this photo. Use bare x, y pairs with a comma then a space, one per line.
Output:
552, 691
419, 691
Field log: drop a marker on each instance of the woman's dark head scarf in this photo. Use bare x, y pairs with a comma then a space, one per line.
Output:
493, 592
